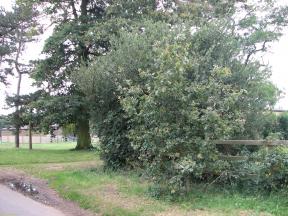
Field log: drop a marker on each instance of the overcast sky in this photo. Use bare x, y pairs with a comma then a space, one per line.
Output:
277, 59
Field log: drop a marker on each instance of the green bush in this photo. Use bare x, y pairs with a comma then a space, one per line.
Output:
283, 125
162, 95
183, 102
273, 174
105, 83
274, 127
262, 172
116, 150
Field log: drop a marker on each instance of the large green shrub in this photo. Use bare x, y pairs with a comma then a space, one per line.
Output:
191, 94
162, 95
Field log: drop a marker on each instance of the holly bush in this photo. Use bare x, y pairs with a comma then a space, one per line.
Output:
163, 94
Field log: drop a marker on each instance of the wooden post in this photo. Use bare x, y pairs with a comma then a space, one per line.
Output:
30, 135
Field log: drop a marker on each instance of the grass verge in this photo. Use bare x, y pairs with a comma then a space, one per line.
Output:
78, 176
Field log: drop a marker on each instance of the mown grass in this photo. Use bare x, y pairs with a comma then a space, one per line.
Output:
113, 193
43, 153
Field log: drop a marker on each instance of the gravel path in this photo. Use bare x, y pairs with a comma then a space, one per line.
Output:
16, 204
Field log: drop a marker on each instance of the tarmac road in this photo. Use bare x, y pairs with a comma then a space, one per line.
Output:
16, 204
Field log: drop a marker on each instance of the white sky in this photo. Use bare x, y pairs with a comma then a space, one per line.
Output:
277, 59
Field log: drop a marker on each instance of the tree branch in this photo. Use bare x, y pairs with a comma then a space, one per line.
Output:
74, 9
254, 51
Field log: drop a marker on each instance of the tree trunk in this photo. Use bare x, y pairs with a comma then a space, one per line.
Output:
82, 124
17, 112
30, 136
17, 134
83, 134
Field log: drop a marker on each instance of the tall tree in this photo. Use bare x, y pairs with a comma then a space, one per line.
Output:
83, 29
66, 50
20, 31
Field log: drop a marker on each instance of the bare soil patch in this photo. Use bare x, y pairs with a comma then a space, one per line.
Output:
175, 212
250, 213
70, 165
110, 195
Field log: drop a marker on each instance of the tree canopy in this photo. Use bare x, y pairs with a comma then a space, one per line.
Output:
17, 25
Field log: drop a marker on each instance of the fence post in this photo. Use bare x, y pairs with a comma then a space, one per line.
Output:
30, 135
267, 143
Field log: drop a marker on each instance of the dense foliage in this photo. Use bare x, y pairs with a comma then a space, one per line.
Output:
4, 122
263, 171
82, 31
165, 91
283, 125
274, 126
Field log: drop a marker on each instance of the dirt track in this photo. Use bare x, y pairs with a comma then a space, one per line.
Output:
46, 201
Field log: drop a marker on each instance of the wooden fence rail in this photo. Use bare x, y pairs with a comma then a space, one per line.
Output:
264, 143
268, 143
